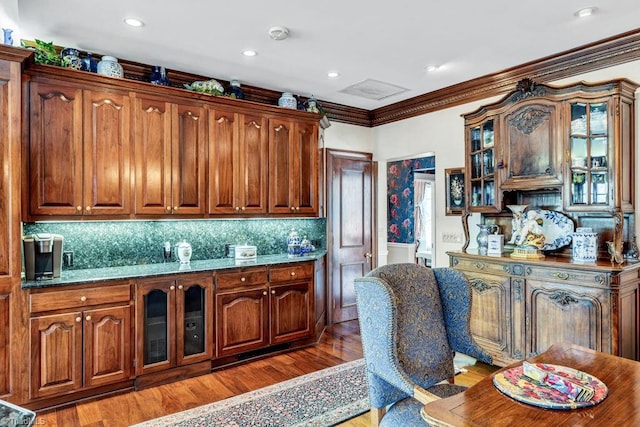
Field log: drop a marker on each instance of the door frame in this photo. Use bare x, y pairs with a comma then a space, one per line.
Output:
327, 154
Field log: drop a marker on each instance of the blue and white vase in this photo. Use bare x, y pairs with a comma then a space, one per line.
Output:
294, 247
287, 100
8, 37
89, 63
109, 66
585, 245
159, 76
71, 58
236, 90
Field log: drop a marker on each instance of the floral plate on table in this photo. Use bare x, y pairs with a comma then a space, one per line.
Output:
516, 385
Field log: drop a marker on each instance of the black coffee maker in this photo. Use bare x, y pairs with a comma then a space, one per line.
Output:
42, 256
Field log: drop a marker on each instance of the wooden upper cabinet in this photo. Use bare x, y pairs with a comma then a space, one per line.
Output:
106, 153
237, 163
78, 151
55, 149
532, 151
170, 157
293, 169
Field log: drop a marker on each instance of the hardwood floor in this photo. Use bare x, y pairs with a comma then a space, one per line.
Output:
340, 343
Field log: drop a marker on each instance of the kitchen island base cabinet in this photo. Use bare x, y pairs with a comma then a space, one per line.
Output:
520, 308
77, 345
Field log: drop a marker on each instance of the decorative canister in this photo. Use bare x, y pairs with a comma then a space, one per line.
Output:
109, 66
585, 245
8, 37
159, 76
236, 90
483, 237
184, 252
294, 244
89, 63
287, 100
71, 58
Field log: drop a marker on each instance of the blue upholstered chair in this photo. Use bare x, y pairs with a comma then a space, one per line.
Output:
412, 319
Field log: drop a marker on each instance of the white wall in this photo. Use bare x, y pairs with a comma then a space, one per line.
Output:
441, 133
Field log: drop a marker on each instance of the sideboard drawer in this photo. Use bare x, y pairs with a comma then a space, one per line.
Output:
574, 277
479, 266
79, 298
235, 279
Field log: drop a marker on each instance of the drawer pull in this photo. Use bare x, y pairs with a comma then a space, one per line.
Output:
480, 265
561, 276
83, 298
243, 279
88, 317
293, 273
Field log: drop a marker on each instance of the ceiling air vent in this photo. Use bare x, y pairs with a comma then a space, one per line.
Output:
373, 89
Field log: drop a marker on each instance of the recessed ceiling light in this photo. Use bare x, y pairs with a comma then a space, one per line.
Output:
278, 32
134, 22
333, 74
586, 11
249, 52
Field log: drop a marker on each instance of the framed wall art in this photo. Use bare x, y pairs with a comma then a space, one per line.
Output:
454, 181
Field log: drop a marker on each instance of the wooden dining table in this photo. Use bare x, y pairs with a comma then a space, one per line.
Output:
484, 405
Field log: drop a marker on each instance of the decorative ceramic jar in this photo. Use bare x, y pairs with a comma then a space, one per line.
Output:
483, 237
89, 63
184, 252
8, 37
287, 100
585, 245
71, 58
158, 76
294, 247
236, 90
109, 66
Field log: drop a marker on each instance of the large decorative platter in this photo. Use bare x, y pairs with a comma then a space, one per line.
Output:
556, 227
523, 389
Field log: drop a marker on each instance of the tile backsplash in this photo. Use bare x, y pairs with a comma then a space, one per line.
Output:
97, 244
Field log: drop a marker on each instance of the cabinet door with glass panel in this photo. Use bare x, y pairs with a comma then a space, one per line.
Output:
482, 194
590, 157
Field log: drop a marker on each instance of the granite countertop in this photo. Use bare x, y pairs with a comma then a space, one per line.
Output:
76, 277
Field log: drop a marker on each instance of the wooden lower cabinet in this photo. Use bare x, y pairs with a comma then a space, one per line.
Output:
254, 311
520, 308
80, 346
174, 318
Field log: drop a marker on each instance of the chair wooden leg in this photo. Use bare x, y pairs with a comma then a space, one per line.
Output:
376, 416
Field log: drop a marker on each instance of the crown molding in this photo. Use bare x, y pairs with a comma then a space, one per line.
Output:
605, 53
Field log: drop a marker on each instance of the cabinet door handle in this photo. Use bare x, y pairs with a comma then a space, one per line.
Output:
293, 273
88, 209
175, 208
78, 319
88, 317
264, 292
180, 287
168, 208
79, 208
172, 287
292, 209
237, 208
273, 291
561, 276
297, 208
83, 298
242, 209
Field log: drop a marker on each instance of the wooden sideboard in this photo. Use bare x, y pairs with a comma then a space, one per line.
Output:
521, 307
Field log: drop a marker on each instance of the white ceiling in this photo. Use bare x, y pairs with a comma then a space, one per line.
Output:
388, 41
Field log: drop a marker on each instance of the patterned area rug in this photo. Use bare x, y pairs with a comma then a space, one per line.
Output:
322, 398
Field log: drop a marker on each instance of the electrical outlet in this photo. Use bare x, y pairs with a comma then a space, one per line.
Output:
451, 237
67, 259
